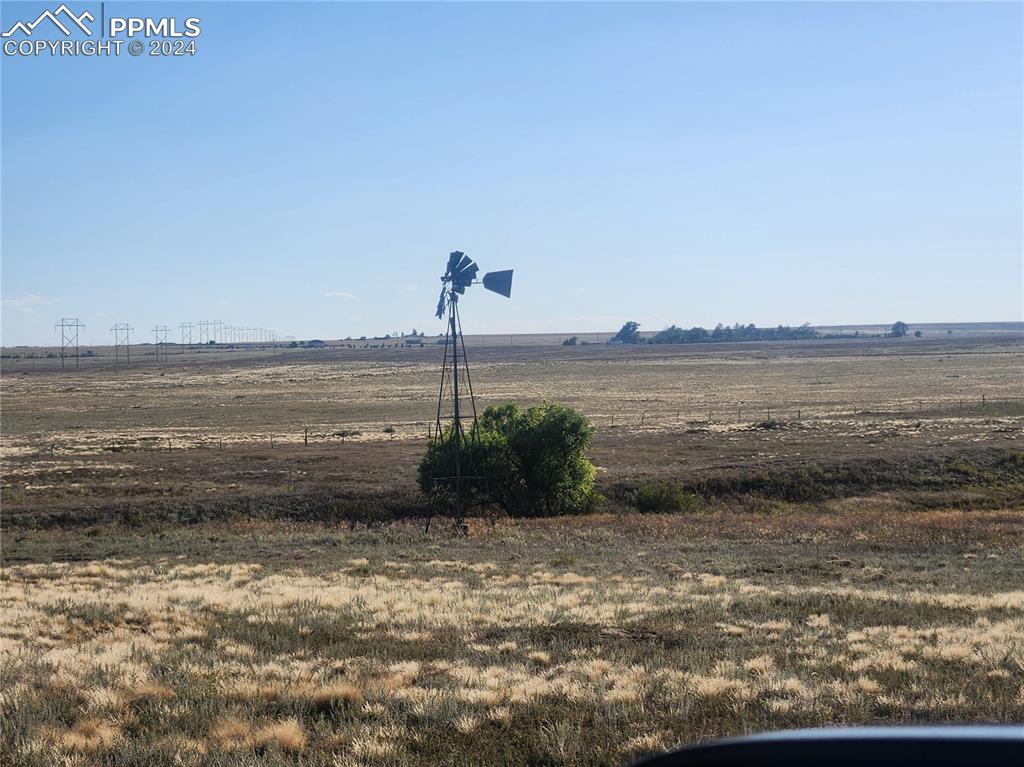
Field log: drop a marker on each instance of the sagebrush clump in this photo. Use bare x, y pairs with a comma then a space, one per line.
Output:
534, 461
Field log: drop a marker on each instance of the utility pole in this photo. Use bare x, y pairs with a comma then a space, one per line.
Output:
69, 327
186, 336
122, 337
160, 339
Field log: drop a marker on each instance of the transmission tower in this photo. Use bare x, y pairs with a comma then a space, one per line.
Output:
69, 327
160, 339
186, 336
122, 337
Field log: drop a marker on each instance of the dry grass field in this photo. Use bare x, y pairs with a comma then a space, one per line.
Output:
177, 589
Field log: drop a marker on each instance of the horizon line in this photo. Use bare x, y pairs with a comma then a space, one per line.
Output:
1015, 325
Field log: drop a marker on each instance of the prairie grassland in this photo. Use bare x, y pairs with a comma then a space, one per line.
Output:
856, 558
569, 642
225, 437
853, 386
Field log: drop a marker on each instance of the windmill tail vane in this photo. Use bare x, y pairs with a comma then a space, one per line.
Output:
458, 463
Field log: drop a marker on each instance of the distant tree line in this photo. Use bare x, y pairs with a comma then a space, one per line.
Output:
737, 332
629, 333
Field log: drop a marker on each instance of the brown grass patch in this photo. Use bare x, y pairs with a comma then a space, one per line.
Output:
287, 735
90, 735
335, 696
150, 693
231, 734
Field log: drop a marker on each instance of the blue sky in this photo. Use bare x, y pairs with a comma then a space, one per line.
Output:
311, 167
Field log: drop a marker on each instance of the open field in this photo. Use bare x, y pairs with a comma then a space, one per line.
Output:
585, 641
249, 396
179, 589
219, 434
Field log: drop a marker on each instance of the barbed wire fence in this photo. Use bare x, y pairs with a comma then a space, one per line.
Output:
691, 417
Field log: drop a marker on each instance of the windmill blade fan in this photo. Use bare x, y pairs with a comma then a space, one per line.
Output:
461, 272
440, 304
453, 262
465, 271
466, 276
463, 264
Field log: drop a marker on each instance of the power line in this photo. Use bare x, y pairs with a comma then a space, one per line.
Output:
186, 335
122, 337
160, 338
69, 327
209, 330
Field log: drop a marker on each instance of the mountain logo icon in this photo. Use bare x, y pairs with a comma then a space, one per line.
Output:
62, 13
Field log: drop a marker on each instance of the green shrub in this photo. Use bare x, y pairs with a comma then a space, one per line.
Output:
665, 497
533, 461
1012, 459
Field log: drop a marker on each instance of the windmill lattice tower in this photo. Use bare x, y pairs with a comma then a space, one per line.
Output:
458, 462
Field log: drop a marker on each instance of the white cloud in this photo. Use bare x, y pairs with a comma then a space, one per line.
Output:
339, 294
27, 303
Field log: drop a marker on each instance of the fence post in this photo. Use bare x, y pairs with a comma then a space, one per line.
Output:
168, 444
305, 437
642, 416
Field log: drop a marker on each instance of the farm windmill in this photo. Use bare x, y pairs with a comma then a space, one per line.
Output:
458, 466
